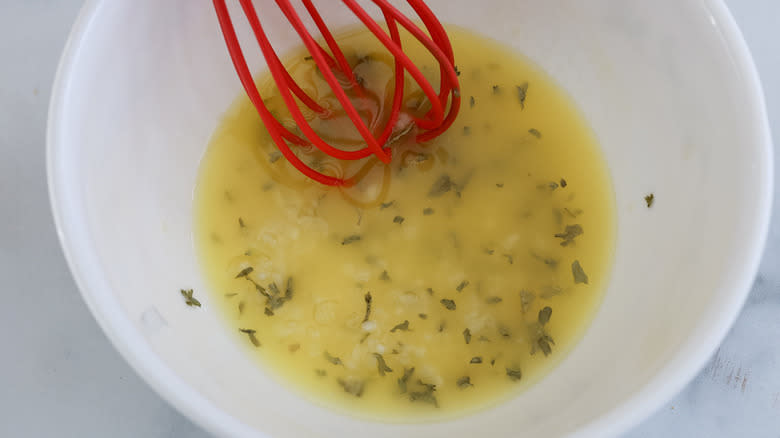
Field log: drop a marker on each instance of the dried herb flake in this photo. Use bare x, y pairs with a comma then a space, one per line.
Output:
404, 379
522, 93
441, 186
251, 334
244, 272
404, 327
464, 382
569, 234
332, 359
368, 300
352, 386
381, 365
544, 315
578, 273
188, 298
351, 239
467, 336
514, 374
449, 304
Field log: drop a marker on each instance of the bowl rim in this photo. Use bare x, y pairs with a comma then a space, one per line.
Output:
136, 351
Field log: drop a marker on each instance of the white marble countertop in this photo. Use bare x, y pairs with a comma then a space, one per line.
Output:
61, 377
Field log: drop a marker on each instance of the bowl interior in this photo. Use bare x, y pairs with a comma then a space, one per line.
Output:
667, 86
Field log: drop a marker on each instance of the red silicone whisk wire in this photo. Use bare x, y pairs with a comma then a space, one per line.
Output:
434, 122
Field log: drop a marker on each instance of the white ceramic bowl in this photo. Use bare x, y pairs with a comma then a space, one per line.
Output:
668, 86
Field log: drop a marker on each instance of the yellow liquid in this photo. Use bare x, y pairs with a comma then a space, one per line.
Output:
487, 242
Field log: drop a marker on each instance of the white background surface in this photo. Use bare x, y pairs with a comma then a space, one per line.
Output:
59, 376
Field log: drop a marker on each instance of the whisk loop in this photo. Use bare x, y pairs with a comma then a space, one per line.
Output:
444, 105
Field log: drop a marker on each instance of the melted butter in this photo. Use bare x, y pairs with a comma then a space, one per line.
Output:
455, 240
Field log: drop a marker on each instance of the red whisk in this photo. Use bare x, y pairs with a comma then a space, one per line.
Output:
430, 125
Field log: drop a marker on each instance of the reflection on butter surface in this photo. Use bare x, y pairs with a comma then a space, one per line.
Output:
439, 284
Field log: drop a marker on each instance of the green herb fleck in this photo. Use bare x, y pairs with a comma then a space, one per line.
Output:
489, 251
241, 223
564, 183
381, 365
441, 186
188, 298
320, 372
504, 331
422, 316
579, 273
550, 291
241, 307
467, 336
472, 102
269, 312
308, 58
476, 360
274, 156
425, 396
544, 342
467, 130
429, 290
649, 199
244, 272
398, 220
368, 300
384, 276
522, 93
288, 290
231, 295
457, 71
509, 258
493, 300
569, 234
514, 374
549, 261
332, 359
496, 89
544, 315
449, 304
462, 285
442, 325
404, 379
352, 386
427, 211
251, 334
404, 327
573, 213
526, 298
535, 132
351, 239
464, 382
386, 205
